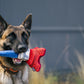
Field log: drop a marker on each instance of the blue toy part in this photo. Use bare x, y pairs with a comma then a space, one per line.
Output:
9, 53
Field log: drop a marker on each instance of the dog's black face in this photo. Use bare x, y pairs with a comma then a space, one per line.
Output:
14, 38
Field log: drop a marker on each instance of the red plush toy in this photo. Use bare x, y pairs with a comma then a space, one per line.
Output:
34, 58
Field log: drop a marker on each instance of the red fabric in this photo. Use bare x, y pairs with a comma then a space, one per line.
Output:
34, 58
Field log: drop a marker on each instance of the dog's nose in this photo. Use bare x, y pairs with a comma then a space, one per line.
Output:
22, 48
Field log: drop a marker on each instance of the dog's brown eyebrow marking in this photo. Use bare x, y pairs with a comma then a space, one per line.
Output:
20, 27
18, 30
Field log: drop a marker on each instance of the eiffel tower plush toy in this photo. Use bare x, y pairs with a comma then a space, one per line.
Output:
31, 56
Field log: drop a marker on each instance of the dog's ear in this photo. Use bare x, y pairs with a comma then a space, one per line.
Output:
3, 25
28, 23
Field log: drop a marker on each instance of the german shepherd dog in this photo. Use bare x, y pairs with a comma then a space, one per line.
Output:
12, 70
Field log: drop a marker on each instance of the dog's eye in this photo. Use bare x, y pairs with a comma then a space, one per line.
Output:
11, 35
24, 35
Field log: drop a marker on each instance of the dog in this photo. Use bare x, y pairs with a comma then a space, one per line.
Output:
12, 70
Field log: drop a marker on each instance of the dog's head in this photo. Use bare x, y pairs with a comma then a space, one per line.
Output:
14, 38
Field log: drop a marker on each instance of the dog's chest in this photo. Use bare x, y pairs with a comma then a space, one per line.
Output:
20, 78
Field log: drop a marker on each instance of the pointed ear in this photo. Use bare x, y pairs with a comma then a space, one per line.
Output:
3, 24
27, 23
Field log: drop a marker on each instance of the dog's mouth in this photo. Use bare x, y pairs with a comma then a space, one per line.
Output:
17, 61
